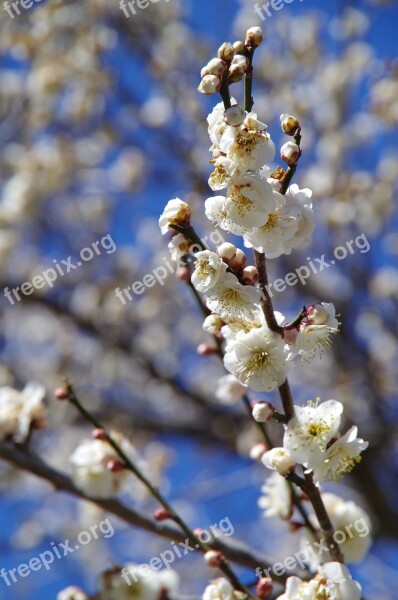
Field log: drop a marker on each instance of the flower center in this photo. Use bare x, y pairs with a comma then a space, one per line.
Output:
204, 269
271, 223
242, 203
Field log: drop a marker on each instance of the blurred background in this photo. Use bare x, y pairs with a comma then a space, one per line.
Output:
100, 125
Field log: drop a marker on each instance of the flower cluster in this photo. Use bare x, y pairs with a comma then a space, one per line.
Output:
21, 411
333, 582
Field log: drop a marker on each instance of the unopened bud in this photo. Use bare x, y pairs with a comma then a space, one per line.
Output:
61, 394
235, 115
215, 66
262, 412
226, 52
206, 350
264, 588
257, 451
250, 275
254, 37
278, 459
212, 324
213, 558
289, 124
290, 153
239, 47
241, 61
161, 514
115, 466
99, 434
236, 73
226, 251
210, 84
238, 262
183, 274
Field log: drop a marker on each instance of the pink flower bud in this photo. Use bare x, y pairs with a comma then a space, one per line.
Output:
317, 314
161, 514
213, 558
183, 274
115, 466
206, 350
61, 394
99, 434
250, 275
238, 262
241, 61
290, 153
264, 588
236, 73
215, 66
210, 84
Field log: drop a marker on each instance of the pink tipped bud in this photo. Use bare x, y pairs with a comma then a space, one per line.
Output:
289, 124
183, 274
206, 350
254, 37
210, 84
290, 153
262, 411
99, 434
238, 262
212, 324
317, 314
161, 514
226, 251
226, 52
61, 394
215, 66
213, 558
241, 61
256, 453
115, 466
250, 275
264, 588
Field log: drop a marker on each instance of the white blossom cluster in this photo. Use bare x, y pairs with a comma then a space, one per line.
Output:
21, 411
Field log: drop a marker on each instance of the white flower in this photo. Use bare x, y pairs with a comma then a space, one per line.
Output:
351, 520
232, 300
220, 589
323, 314
277, 499
333, 582
212, 324
278, 459
226, 172
133, 582
179, 246
311, 340
216, 213
288, 226
209, 270
20, 410
72, 593
341, 457
256, 358
249, 144
176, 212
217, 123
249, 201
229, 390
311, 429
90, 470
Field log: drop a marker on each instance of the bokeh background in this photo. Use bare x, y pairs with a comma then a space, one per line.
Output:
101, 124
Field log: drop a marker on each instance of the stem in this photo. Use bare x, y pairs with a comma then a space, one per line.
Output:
249, 82
266, 302
198, 544
224, 90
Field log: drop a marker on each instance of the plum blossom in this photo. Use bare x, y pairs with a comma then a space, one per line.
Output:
249, 144
278, 459
209, 270
341, 457
257, 359
20, 410
229, 390
90, 466
176, 212
220, 589
333, 582
132, 582
231, 300
249, 201
277, 498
